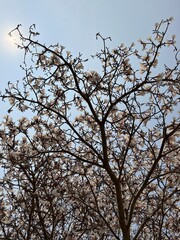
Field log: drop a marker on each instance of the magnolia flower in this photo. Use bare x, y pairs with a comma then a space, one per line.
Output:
8, 119
126, 138
159, 38
11, 100
36, 118
55, 192
141, 93
143, 68
24, 123
62, 48
68, 53
6, 220
159, 77
56, 50
79, 66
157, 25
23, 108
155, 63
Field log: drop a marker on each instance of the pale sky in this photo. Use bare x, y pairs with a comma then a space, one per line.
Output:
74, 24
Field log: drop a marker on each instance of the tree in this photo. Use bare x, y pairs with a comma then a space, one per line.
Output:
97, 155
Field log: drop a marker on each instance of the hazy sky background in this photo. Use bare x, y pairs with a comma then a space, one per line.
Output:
74, 24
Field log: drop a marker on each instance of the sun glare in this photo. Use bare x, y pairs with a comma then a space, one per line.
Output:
9, 41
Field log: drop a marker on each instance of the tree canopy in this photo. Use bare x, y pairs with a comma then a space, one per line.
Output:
94, 155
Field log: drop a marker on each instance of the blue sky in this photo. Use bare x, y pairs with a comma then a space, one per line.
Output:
74, 24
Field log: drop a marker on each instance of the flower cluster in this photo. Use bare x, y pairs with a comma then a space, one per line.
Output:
97, 155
